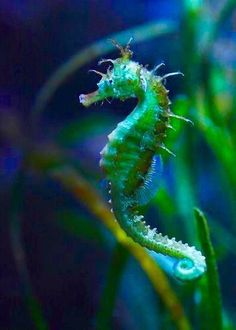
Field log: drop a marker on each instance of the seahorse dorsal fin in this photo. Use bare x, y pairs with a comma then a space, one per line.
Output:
151, 182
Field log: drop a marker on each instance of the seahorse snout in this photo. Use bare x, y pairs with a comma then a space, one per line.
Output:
88, 99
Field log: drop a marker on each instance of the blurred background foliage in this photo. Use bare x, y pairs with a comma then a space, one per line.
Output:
65, 262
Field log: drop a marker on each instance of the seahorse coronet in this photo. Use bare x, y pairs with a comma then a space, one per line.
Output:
129, 155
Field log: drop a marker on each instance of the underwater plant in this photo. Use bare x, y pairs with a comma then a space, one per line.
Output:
121, 281
131, 159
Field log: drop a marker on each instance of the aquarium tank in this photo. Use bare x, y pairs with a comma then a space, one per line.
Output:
118, 165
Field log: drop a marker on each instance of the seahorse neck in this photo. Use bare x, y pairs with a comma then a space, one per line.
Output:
138, 143
148, 97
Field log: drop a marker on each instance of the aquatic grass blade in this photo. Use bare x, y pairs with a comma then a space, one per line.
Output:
107, 303
213, 294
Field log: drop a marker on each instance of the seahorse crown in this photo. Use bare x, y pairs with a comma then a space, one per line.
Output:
126, 79
130, 158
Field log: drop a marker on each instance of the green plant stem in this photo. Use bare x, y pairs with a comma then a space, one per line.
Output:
198, 70
17, 245
222, 235
213, 295
184, 193
108, 299
224, 13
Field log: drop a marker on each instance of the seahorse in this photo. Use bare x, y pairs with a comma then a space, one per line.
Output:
129, 159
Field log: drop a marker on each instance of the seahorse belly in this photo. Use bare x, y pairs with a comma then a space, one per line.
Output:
126, 157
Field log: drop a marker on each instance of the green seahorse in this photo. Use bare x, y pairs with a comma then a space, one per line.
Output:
130, 157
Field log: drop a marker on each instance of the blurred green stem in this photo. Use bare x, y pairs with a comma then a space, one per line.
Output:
17, 245
184, 193
212, 295
223, 14
197, 42
108, 299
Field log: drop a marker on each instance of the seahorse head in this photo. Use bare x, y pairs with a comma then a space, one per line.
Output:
123, 80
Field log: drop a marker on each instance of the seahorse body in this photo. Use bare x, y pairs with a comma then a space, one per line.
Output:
128, 159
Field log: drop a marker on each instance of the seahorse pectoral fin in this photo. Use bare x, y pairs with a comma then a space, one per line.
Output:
151, 182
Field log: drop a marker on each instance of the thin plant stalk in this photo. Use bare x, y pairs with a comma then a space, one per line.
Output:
117, 266
18, 251
213, 294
